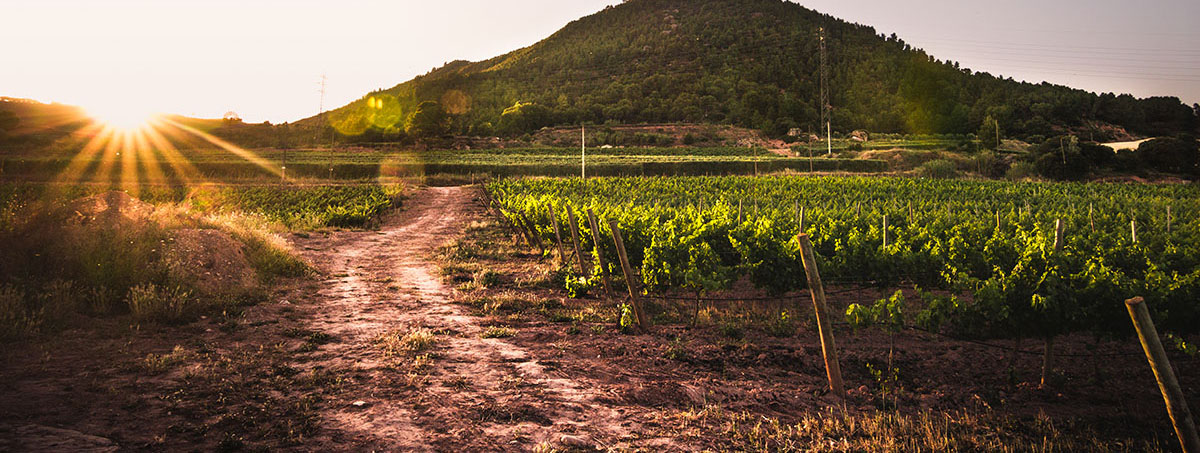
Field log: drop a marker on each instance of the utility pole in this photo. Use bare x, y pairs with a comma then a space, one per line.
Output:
321, 125
582, 151
825, 107
997, 122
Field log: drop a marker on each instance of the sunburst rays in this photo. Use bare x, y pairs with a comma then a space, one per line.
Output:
129, 156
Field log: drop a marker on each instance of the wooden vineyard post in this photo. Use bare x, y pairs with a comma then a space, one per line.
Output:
1133, 230
562, 254
1168, 220
885, 238
824, 326
998, 220
1048, 352
599, 254
575, 241
630, 281
1168, 384
1091, 221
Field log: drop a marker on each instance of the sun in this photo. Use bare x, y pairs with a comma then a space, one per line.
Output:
123, 117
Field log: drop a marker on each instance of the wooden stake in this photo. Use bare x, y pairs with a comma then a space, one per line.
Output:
599, 253
828, 348
1168, 384
1091, 222
575, 240
562, 254
802, 219
998, 220
1133, 230
630, 281
885, 238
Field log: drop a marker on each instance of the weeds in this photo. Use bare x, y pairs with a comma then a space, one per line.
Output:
835, 431
499, 332
398, 343
150, 302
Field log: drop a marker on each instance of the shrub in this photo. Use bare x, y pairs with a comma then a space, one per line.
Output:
1170, 154
989, 164
15, 319
1021, 170
938, 169
150, 302
486, 278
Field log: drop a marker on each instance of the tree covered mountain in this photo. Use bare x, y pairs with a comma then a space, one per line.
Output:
752, 63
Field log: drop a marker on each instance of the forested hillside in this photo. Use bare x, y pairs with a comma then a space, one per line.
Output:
753, 63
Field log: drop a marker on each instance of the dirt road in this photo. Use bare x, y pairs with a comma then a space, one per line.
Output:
477, 393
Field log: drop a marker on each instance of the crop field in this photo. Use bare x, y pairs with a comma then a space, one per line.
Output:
299, 207
982, 253
363, 164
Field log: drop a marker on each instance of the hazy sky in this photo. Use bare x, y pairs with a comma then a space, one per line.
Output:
264, 59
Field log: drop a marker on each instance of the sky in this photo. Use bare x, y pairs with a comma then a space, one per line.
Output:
264, 59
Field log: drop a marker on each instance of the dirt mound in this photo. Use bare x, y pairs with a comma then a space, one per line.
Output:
112, 205
210, 260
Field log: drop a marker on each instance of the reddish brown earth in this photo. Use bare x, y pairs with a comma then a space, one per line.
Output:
483, 394
302, 370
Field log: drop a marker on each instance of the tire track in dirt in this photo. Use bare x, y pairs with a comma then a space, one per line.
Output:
481, 394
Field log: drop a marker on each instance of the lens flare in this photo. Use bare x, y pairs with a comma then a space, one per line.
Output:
122, 117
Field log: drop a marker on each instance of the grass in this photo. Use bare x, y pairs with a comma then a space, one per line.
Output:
59, 267
403, 342
835, 431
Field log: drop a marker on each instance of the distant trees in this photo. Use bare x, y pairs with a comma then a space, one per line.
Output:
523, 117
989, 133
1060, 158
752, 63
8, 121
429, 120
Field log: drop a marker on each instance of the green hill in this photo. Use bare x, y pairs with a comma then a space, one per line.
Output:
752, 63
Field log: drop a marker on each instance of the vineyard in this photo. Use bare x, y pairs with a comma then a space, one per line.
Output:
296, 207
982, 254
363, 164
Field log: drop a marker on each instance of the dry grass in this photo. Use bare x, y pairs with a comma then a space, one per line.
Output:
499, 332
402, 342
836, 431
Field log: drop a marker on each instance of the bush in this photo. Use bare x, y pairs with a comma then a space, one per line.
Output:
989, 164
938, 169
1171, 154
15, 319
1021, 170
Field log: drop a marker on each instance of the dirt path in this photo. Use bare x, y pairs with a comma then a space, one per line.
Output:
478, 393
